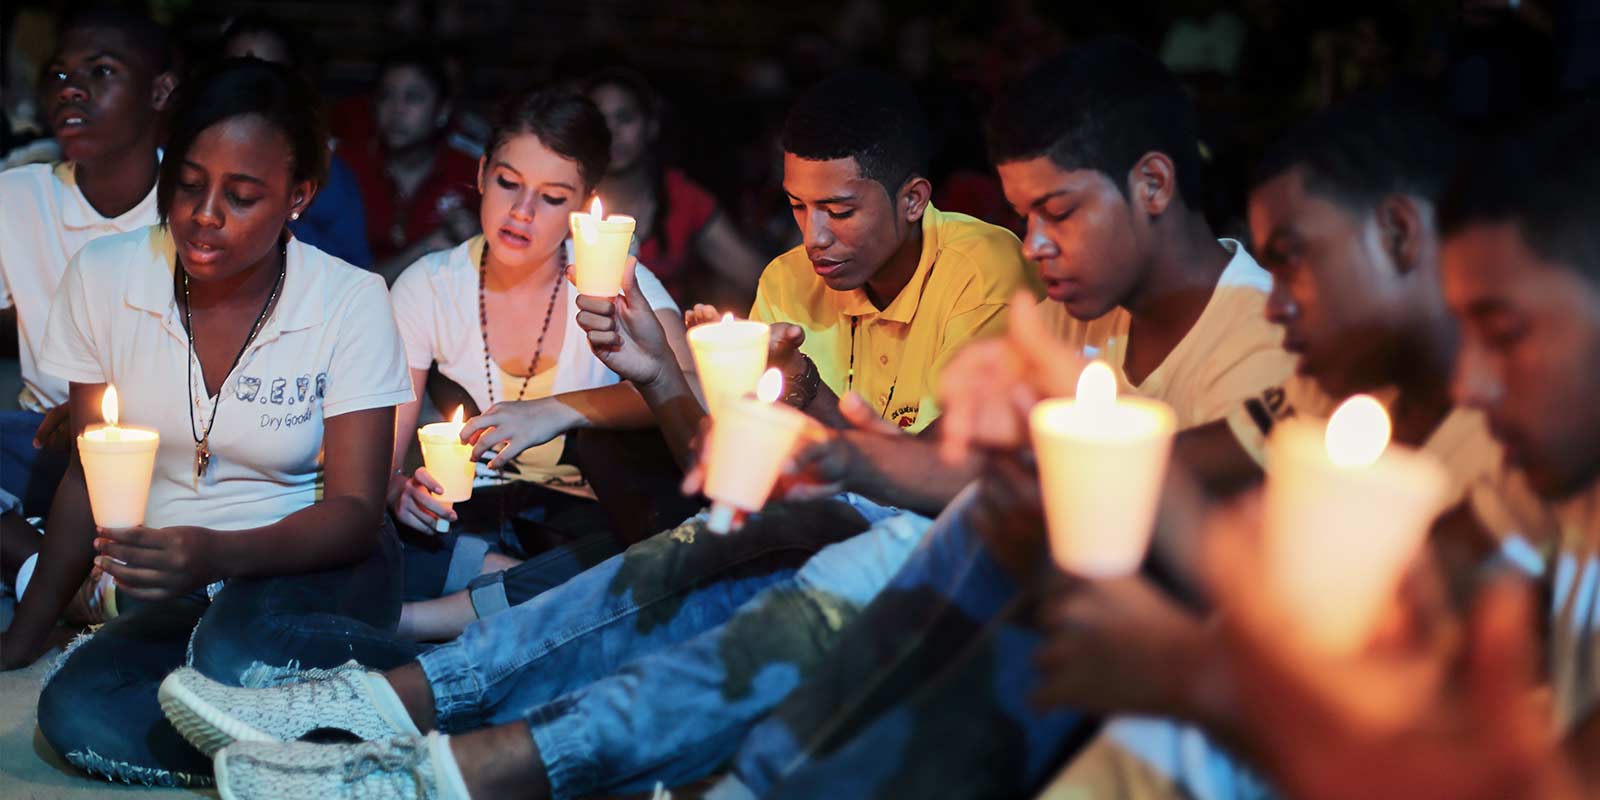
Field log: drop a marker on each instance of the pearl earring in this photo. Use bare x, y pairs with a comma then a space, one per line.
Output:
294, 216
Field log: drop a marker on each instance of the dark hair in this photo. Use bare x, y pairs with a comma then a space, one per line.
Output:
149, 39
1543, 181
293, 44
1100, 106
425, 61
567, 122
1365, 149
236, 87
628, 81
865, 115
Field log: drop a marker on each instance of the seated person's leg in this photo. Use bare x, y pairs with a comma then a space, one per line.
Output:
99, 709
965, 730
260, 628
662, 591
29, 474
934, 607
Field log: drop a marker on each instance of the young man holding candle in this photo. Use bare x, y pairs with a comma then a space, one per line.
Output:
1521, 270
649, 625
1351, 197
104, 90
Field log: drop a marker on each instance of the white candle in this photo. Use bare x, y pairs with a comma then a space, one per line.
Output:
729, 357
749, 444
117, 464
600, 250
449, 460
1102, 462
1345, 515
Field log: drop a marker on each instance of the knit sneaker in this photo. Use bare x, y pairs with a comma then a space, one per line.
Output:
401, 768
212, 715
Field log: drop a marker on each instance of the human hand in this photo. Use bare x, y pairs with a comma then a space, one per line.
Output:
55, 430
1118, 645
700, 315
624, 332
510, 427
783, 349
989, 387
417, 503
1008, 513
156, 563
1431, 709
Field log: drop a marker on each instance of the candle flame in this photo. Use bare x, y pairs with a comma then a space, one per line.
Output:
1358, 432
455, 419
108, 406
1097, 385
589, 224
728, 317
770, 386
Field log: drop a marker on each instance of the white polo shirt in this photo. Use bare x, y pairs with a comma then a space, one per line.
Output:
329, 347
436, 307
44, 221
1230, 353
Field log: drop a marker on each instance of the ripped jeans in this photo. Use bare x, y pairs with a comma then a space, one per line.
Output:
653, 665
98, 708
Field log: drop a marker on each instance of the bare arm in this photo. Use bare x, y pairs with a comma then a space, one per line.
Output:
728, 254
66, 552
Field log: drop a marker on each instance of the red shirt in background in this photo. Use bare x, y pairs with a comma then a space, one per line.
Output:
690, 208
393, 224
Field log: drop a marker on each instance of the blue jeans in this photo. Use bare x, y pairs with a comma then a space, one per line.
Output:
653, 665
28, 474
926, 694
98, 708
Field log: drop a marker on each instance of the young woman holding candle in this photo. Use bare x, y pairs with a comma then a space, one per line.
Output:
270, 371
680, 225
496, 315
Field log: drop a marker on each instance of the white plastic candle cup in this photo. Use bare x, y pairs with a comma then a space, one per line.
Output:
729, 357
749, 444
600, 252
1101, 469
448, 459
117, 465
1340, 538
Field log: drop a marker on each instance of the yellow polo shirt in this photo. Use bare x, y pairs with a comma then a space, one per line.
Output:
960, 292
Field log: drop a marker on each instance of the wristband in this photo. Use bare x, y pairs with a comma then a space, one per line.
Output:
802, 389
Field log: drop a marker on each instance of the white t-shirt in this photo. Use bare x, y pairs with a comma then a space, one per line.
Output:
44, 222
1232, 352
328, 348
436, 307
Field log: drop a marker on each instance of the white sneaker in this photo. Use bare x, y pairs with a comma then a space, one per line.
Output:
213, 715
402, 768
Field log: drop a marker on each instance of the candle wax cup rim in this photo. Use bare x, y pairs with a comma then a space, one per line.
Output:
730, 333
777, 413
442, 433
1130, 420
1304, 444
611, 220
132, 438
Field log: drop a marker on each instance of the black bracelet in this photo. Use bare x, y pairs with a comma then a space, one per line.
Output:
800, 391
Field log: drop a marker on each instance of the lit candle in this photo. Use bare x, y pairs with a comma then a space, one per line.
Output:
749, 444
1345, 515
117, 464
600, 250
1102, 461
729, 356
449, 461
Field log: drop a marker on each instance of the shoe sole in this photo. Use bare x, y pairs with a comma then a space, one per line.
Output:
219, 772
204, 725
